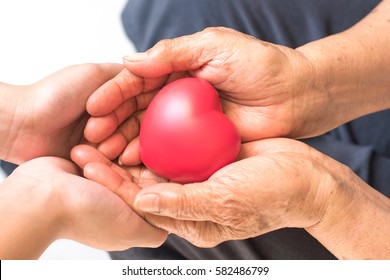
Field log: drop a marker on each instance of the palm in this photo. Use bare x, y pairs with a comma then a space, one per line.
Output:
98, 217
263, 191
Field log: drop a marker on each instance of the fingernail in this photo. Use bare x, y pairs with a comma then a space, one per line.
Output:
134, 57
148, 203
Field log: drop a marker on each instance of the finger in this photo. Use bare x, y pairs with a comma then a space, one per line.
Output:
144, 177
116, 91
110, 178
184, 53
130, 156
201, 234
99, 128
113, 93
196, 202
84, 154
142, 233
113, 146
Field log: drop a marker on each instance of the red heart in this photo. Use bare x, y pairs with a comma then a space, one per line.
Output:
184, 135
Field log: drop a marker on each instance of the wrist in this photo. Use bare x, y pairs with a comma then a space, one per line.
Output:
317, 188
333, 195
308, 97
351, 69
65, 213
356, 220
10, 106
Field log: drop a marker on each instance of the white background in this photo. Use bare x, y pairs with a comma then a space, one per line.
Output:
41, 36
38, 37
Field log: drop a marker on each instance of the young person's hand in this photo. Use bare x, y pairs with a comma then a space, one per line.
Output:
48, 118
45, 199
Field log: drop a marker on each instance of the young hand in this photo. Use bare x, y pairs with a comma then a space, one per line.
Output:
48, 117
45, 199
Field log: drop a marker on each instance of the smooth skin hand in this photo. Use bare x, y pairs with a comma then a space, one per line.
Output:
48, 118
45, 199
275, 183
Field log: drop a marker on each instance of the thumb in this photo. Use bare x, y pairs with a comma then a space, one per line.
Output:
195, 202
186, 53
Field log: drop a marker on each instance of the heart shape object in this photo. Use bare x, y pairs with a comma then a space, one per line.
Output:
184, 134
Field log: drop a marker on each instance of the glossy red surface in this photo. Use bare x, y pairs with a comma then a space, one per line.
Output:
184, 135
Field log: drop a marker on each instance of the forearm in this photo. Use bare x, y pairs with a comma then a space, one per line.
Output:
22, 239
356, 224
352, 68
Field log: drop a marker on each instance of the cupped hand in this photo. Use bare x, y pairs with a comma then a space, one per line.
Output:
45, 199
275, 183
267, 90
50, 115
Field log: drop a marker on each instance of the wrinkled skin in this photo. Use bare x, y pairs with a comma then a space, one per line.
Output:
265, 102
263, 191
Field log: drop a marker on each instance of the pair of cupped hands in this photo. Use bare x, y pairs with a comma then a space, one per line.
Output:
92, 115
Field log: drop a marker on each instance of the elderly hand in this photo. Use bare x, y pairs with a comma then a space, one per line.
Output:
266, 89
263, 87
263, 191
45, 199
275, 183
48, 118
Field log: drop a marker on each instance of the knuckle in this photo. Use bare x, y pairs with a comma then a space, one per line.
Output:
162, 46
94, 69
215, 31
